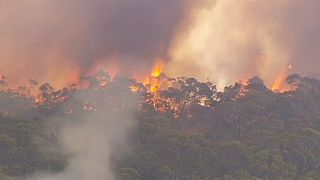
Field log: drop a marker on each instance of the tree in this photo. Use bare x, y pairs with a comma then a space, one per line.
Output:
183, 93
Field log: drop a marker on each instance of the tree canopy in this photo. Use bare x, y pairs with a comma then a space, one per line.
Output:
185, 131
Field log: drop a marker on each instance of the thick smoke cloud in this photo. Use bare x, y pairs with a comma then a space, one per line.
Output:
228, 40
53, 39
223, 40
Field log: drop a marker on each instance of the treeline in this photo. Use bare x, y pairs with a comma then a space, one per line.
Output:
186, 130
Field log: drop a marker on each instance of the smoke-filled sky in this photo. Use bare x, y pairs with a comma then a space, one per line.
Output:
229, 40
222, 40
49, 39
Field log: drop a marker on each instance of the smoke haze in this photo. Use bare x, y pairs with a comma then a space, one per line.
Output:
223, 40
56, 39
91, 140
229, 40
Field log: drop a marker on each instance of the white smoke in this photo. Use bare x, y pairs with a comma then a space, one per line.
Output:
229, 40
91, 140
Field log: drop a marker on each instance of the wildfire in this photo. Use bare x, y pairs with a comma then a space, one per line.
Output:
280, 84
134, 88
277, 85
153, 82
157, 70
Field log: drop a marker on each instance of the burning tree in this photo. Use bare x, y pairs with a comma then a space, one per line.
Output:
184, 93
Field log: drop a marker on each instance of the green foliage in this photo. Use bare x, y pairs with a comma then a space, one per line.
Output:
246, 132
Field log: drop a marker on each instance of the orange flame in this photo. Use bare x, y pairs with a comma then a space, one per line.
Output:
153, 81
277, 85
157, 70
280, 84
134, 88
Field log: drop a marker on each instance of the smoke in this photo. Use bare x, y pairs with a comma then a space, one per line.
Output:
222, 40
228, 40
58, 40
91, 140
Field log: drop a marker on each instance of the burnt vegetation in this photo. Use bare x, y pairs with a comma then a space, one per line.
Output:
186, 130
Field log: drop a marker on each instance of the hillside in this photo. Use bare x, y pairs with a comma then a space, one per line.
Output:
183, 131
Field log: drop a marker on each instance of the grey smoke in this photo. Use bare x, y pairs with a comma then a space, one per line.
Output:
44, 39
41, 35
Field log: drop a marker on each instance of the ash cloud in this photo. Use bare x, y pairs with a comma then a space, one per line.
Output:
49, 39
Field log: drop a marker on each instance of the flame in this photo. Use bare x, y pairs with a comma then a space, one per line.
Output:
134, 88
280, 82
277, 85
153, 81
155, 87
157, 70
152, 84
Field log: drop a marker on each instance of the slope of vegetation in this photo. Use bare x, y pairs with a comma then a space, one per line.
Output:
188, 131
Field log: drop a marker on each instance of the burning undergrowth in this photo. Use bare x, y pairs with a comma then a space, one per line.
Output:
156, 91
62, 42
90, 123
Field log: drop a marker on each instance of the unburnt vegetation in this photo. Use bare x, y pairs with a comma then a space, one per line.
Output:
184, 130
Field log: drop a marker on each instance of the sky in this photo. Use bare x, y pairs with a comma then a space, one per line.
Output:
219, 40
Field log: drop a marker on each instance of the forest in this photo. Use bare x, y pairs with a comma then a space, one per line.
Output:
183, 129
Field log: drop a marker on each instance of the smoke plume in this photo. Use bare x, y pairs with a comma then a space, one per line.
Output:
223, 40
228, 40
90, 141
58, 40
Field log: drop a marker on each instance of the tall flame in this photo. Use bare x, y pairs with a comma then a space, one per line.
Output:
153, 80
277, 85
280, 84
157, 70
